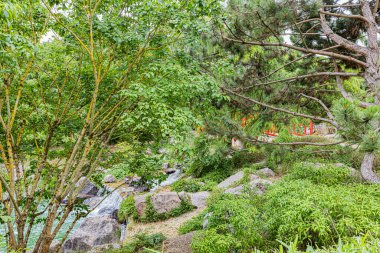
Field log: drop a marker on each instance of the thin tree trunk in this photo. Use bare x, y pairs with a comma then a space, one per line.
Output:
366, 169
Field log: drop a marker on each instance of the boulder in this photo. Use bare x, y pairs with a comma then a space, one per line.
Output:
105, 248
165, 202
266, 172
93, 231
231, 180
179, 244
55, 247
89, 189
235, 190
198, 199
109, 179
92, 202
140, 204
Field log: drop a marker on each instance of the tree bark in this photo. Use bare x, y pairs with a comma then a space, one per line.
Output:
366, 169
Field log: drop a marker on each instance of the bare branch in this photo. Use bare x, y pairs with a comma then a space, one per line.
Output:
329, 114
301, 49
302, 77
298, 143
339, 15
338, 39
280, 109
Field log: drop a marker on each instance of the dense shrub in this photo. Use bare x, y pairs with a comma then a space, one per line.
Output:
319, 214
329, 174
230, 218
247, 157
209, 154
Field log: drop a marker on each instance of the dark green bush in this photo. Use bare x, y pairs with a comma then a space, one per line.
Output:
209, 154
247, 157
127, 209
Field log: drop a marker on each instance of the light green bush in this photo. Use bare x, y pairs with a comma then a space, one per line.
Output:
319, 214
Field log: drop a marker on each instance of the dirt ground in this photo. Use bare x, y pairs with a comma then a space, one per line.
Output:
169, 228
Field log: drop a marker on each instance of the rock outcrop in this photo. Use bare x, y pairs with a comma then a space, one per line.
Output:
179, 244
93, 231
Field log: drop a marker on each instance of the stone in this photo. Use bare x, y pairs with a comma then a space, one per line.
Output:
162, 151
148, 151
92, 202
235, 190
165, 202
92, 232
109, 179
140, 204
206, 220
231, 180
266, 172
89, 189
105, 248
199, 199
179, 244
165, 166
260, 184
55, 247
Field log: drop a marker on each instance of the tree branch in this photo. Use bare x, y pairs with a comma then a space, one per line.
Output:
329, 114
280, 109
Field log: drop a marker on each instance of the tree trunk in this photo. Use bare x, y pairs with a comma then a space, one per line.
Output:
366, 169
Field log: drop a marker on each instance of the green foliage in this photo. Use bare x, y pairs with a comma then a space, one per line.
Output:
247, 157
209, 156
231, 225
193, 185
328, 174
142, 243
127, 209
319, 214
210, 241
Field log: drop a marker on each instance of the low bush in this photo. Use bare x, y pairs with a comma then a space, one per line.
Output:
193, 185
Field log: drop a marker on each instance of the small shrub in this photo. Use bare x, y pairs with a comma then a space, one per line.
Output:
246, 157
193, 185
127, 209
209, 155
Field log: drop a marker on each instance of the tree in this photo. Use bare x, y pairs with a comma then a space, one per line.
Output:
61, 100
345, 34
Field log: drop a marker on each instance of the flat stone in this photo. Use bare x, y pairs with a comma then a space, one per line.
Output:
109, 179
199, 199
266, 172
231, 180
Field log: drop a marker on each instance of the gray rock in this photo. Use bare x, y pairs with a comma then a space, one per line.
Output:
103, 248
92, 232
165, 201
165, 166
266, 172
237, 144
206, 220
140, 204
162, 151
231, 180
92, 202
199, 199
179, 244
148, 151
89, 189
109, 179
55, 247
236, 190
